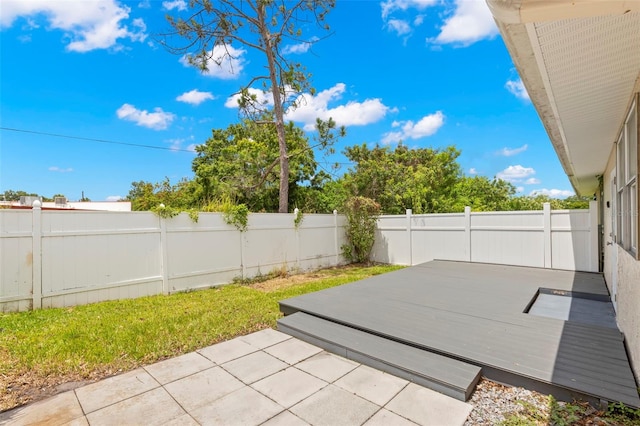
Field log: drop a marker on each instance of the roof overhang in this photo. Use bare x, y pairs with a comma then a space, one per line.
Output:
580, 63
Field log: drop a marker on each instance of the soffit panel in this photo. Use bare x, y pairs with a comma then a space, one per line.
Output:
592, 65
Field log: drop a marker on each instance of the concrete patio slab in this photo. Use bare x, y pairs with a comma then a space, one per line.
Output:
184, 420
427, 407
286, 418
242, 407
334, 406
177, 368
60, 409
387, 418
115, 389
265, 338
193, 390
289, 387
254, 367
81, 421
293, 351
203, 388
227, 351
326, 366
155, 407
372, 385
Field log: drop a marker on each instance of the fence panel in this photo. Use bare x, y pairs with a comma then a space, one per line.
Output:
510, 238
561, 239
201, 254
16, 260
92, 256
65, 258
438, 236
570, 240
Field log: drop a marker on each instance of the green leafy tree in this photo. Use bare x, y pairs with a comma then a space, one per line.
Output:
576, 202
242, 163
146, 196
210, 29
482, 194
420, 179
533, 202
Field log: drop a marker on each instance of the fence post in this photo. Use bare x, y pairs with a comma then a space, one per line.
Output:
164, 255
409, 236
296, 213
36, 254
335, 236
546, 213
594, 249
467, 231
243, 270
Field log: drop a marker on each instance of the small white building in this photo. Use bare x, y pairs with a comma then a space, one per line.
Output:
61, 203
580, 63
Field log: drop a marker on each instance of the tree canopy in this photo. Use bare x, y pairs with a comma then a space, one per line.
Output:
420, 179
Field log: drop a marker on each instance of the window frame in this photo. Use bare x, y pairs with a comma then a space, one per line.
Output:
627, 217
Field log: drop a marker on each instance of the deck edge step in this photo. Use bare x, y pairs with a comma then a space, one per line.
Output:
451, 377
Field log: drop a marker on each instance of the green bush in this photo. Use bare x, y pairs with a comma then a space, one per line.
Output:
362, 214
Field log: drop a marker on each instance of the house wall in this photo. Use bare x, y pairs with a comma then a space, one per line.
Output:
627, 271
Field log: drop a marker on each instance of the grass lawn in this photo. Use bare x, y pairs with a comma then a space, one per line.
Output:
41, 350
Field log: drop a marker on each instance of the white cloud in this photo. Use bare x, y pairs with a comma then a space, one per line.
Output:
157, 120
471, 21
393, 5
312, 107
195, 97
427, 126
225, 62
176, 144
532, 181
509, 152
262, 98
553, 193
418, 20
519, 189
175, 4
473, 171
350, 114
114, 198
399, 26
60, 169
300, 47
516, 87
515, 173
89, 25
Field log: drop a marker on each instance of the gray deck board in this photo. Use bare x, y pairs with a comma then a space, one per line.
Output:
451, 377
475, 312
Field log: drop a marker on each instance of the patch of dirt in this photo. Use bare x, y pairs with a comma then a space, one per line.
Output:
286, 282
283, 282
18, 389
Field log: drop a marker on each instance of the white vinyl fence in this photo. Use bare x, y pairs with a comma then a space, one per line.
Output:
65, 258
558, 239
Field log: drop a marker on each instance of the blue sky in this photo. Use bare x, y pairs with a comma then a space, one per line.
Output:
431, 73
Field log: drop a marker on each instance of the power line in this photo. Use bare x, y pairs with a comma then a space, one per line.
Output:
34, 132
163, 148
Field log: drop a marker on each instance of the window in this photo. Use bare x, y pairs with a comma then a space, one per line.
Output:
627, 183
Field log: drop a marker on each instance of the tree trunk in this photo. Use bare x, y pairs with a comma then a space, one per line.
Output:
283, 205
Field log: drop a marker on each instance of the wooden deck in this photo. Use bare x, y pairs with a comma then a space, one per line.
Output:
476, 313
